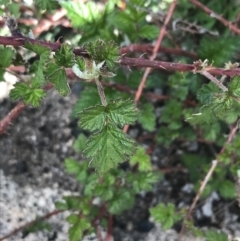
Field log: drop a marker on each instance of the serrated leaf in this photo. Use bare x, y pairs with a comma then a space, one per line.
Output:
121, 112
92, 118
7, 55
234, 86
206, 93
147, 118
213, 235
108, 148
142, 159
165, 214
47, 4
71, 165
64, 56
34, 96
57, 76
149, 32
36, 48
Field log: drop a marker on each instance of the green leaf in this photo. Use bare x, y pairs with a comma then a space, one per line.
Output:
64, 56
47, 4
61, 205
147, 118
71, 165
206, 93
80, 143
227, 189
57, 76
108, 147
149, 32
234, 86
7, 55
32, 96
120, 112
92, 118
36, 48
142, 159
103, 51
213, 235
122, 200
80, 224
165, 214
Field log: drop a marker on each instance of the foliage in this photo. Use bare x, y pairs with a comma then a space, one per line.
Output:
195, 110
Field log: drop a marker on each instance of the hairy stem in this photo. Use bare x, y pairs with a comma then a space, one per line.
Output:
101, 92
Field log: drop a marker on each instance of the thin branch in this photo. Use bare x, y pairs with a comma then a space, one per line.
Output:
215, 15
153, 56
26, 225
207, 177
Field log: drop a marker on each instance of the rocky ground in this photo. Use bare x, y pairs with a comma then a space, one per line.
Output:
33, 178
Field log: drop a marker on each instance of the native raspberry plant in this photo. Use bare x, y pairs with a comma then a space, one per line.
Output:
198, 102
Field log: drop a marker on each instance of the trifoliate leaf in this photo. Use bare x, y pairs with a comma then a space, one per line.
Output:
57, 76
34, 96
147, 118
213, 235
64, 56
47, 4
165, 214
36, 48
108, 148
142, 159
7, 55
149, 32
31, 96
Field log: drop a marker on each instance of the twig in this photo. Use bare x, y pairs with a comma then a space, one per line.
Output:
26, 225
214, 15
206, 179
154, 54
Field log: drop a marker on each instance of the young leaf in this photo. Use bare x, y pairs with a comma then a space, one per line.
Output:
165, 214
80, 143
57, 76
64, 56
47, 4
147, 118
36, 48
142, 159
108, 147
7, 55
71, 165
212, 235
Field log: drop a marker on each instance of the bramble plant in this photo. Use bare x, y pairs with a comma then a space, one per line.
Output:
192, 110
